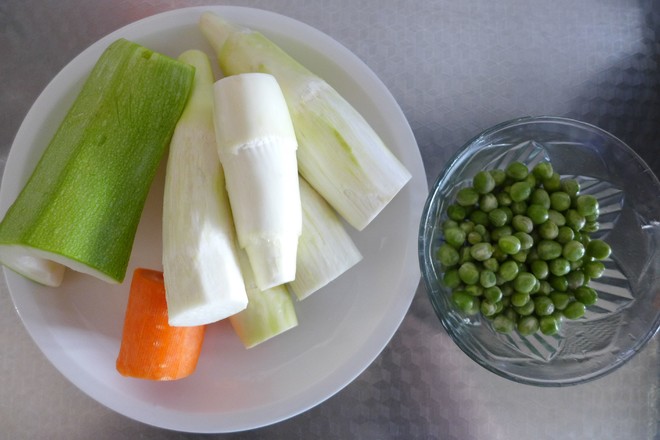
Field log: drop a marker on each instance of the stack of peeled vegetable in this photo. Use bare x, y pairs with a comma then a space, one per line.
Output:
263, 165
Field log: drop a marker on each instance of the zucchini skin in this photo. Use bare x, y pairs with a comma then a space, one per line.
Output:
84, 199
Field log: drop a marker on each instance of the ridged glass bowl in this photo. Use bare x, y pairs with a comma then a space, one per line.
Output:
627, 313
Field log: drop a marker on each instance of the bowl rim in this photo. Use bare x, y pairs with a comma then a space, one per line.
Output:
425, 225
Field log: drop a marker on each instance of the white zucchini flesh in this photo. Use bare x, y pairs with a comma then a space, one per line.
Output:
203, 279
24, 261
325, 249
339, 153
257, 148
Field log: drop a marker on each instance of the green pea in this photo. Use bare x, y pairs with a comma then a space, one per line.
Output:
508, 212
463, 300
491, 264
526, 240
552, 183
560, 300
503, 199
549, 325
530, 180
574, 310
499, 176
518, 208
540, 197
540, 269
508, 270
488, 308
519, 299
575, 278
493, 294
586, 295
448, 224
556, 217
469, 273
524, 282
548, 250
447, 255
497, 217
517, 170
478, 217
537, 213
474, 290
598, 249
545, 287
520, 191
583, 237
487, 278
542, 170
573, 250
559, 283
456, 212
503, 324
594, 269
464, 255
575, 220
488, 202
509, 244
474, 237
502, 231
565, 234
528, 325
560, 201
520, 257
522, 223
591, 226
548, 230
475, 307
498, 254
467, 226
543, 306
592, 217
451, 279
483, 182
481, 251
467, 196
575, 265
559, 266
586, 204
570, 187
526, 309
510, 313
454, 236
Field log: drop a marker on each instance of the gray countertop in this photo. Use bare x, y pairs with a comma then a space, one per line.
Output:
456, 68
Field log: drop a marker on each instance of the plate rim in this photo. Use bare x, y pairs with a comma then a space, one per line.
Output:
417, 199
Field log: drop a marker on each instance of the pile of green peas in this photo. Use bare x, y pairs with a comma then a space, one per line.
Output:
517, 249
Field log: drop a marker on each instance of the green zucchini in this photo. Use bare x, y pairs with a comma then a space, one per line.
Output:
81, 206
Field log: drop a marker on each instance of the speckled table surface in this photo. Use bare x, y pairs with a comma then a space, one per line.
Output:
455, 68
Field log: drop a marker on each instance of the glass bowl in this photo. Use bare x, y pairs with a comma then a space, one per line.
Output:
627, 313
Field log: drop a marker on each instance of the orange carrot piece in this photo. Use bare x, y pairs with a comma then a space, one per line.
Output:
150, 347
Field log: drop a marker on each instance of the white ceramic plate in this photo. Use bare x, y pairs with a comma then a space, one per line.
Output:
342, 327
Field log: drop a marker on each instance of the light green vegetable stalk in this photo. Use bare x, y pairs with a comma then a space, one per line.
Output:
325, 250
203, 280
269, 312
339, 154
81, 206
